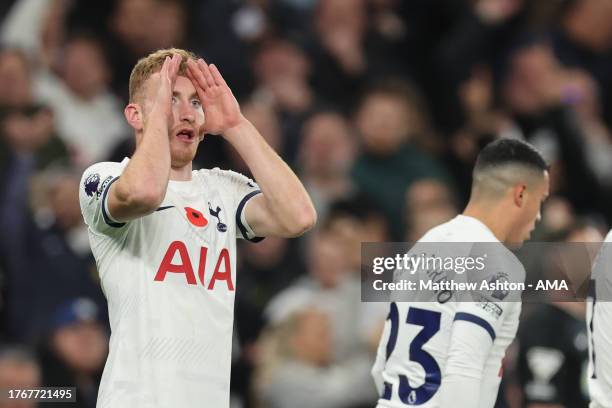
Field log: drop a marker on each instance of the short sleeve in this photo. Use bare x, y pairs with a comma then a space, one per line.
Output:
487, 314
242, 189
498, 290
93, 195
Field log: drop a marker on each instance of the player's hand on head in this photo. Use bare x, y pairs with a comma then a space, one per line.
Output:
221, 109
167, 79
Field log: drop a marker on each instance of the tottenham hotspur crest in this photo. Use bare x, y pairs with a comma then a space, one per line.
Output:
215, 213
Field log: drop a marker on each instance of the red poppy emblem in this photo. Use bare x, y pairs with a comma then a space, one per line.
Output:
196, 217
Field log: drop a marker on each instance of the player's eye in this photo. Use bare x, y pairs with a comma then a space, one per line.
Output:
174, 100
196, 103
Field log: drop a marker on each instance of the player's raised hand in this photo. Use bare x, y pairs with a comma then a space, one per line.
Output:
166, 81
221, 109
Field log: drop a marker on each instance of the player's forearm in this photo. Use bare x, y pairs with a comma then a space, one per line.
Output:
467, 355
144, 182
460, 391
285, 195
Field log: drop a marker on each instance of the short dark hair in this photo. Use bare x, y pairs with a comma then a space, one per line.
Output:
507, 152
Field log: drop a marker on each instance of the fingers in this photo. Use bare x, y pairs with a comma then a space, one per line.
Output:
217, 75
163, 73
196, 75
206, 71
174, 66
206, 76
190, 76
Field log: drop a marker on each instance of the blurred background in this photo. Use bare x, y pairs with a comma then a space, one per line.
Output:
380, 106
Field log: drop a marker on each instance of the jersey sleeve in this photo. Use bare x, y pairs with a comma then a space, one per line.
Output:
497, 290
466, 357
93, 197
477, 323
242, 190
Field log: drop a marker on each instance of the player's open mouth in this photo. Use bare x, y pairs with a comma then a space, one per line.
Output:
186, 134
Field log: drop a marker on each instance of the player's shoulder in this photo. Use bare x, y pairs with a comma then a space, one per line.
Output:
439, 233
97, 176
459, 229
103, 167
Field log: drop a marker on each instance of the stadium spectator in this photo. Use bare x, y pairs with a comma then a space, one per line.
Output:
348, 52
296, 367
37, 28
329, 286
429, 202
326, 154
81, 101
28, 145
59, 238
266, 118
19, 369
542, 96
282, 71
72, 78
265, 270
139, 27
15, 79
332, 284
75, 350
582, 39
389, 119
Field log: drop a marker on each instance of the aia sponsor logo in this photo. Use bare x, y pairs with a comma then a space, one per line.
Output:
222, 272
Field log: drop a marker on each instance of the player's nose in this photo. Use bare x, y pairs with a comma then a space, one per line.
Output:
186, 113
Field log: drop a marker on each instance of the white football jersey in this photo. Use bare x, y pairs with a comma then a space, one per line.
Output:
169, 278
599, 328
411, 361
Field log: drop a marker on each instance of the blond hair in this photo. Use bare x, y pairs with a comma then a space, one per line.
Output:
151, 64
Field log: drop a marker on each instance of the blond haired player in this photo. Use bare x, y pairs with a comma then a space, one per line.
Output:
164, 235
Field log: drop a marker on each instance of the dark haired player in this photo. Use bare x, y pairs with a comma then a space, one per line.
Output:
441, 353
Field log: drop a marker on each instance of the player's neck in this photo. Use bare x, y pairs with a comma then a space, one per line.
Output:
181, 173
492, 217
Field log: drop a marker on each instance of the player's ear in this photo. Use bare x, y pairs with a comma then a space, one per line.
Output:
518, 193
133, 115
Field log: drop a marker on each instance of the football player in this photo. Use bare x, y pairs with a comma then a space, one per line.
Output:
437, 351
164, 235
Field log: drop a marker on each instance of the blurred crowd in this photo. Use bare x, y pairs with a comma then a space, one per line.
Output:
380, 106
